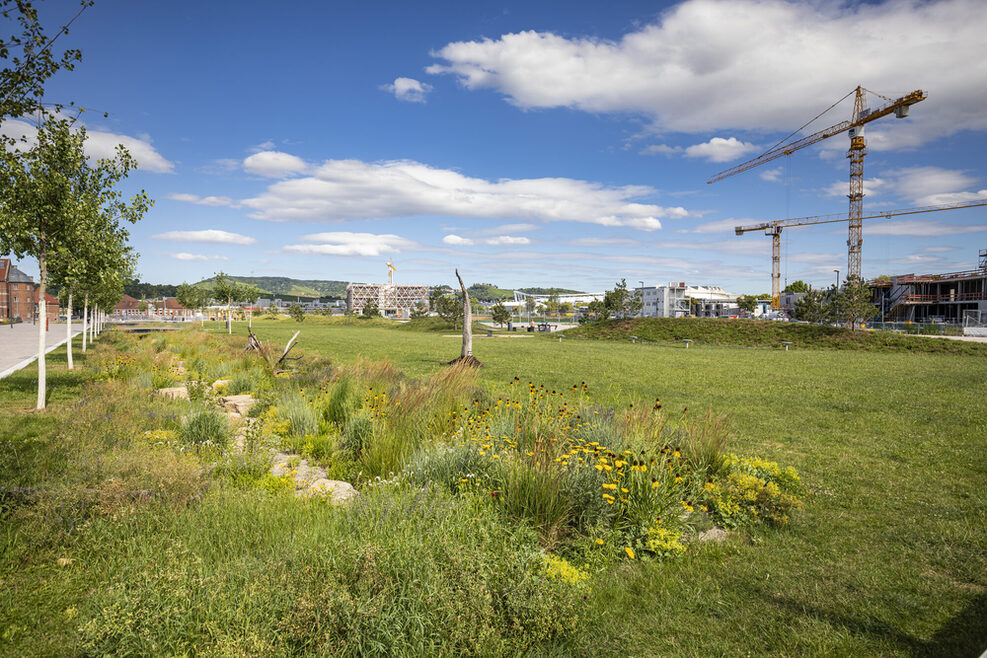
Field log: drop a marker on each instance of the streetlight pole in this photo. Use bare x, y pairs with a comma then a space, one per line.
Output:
837, 279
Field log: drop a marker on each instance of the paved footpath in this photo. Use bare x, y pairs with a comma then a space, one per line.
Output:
19, 344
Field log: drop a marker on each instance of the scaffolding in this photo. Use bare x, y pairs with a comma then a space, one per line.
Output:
391, 300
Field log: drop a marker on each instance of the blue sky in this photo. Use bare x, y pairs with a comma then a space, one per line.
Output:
529, 144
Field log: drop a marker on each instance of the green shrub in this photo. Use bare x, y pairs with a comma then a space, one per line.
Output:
341, 402
454, 467
242, 382
205, 428
302, 418
356, 435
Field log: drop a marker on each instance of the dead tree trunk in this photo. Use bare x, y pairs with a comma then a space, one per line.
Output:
466, 356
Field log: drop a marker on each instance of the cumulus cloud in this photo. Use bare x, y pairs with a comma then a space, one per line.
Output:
207, 235
102, 144
701, 66
920, 228
342, 243
202, 200
722, 225
660, 149
719, 149
274, 164
408, 89
921, 186
771, 175
341, 190
498, 241
186, 256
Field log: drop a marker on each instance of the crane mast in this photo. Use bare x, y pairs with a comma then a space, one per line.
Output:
858, 149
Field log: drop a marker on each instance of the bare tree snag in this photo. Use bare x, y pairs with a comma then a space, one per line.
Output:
466, 356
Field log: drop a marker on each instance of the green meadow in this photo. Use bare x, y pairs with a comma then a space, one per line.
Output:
888, 555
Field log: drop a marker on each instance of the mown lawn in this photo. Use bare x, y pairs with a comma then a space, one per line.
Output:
889, 556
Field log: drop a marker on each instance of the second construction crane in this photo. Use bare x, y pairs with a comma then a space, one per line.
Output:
861, 116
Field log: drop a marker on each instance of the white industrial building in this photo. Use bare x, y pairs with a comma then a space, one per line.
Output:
675, 300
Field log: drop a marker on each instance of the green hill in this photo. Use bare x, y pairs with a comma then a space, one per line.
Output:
279, 286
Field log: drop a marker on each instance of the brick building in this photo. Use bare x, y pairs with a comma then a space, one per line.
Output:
19, 295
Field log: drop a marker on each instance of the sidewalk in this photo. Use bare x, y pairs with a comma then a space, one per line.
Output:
19, 344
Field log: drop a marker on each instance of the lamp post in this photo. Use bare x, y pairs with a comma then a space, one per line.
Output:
837, 279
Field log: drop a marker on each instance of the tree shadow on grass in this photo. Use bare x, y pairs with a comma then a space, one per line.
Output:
963, 635
18, 391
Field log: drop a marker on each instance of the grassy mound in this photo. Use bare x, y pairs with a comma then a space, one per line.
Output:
750, 333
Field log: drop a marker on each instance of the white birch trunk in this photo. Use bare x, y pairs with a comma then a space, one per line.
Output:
42, 318
85, 321
467, 321
68, 331
229, 316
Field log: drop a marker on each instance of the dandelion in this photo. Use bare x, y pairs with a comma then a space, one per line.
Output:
610, 485
630, 552
599, 542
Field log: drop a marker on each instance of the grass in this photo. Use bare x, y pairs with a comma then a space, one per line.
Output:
887, 558
760, 333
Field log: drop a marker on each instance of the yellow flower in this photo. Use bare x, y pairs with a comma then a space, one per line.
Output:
629, 551
624, 490
609, 485
599, 542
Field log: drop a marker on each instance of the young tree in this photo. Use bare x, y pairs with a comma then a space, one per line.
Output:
296, 312
449, 309
500, 314
32, 59
420, 310
192, 297
797, 286
371, 310
552, 304
529, 306
747, 303
811, 307
53, 202
622, 303
226, 290
851, 305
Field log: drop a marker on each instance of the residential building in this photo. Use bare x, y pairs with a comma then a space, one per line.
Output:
19, 295
127, 307
677, 300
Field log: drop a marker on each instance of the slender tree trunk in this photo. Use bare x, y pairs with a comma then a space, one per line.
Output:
467, 321
229, 315
85, 321
42, 321
68, 330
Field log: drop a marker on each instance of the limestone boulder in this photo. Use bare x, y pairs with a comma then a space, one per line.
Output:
238, 403
175, 392
337, 491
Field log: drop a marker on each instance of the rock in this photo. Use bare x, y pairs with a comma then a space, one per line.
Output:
238, 403
713, 534
220, 382
280, 466
176, 392
338, 492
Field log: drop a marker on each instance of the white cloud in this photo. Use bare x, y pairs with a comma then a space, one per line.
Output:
202, 200
102, 144
341, 190
186, 256
701, 66
921, 186
772, 175
408, 89
500, 240
660, 149
343, 243
722, 225
919, 228
274, 164
719, 149
507, 240
512, 228
207, 235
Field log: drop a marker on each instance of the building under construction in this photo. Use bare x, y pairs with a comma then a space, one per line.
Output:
392, 301
954, 297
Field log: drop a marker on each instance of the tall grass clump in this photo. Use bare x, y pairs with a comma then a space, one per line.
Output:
301, 416
205, 428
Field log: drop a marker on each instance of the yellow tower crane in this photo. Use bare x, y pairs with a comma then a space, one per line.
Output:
861, 116
773, 228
